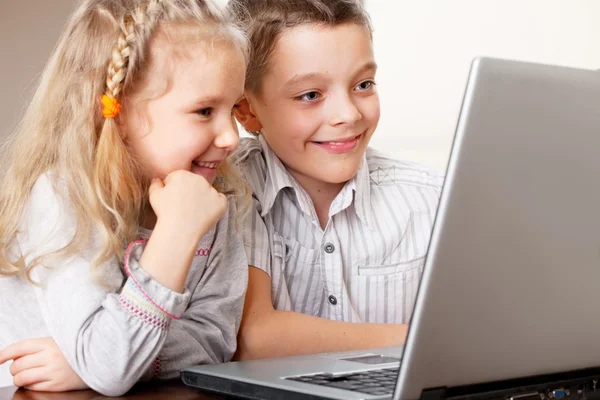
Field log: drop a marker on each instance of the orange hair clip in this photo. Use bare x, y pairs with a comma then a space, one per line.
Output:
111, 106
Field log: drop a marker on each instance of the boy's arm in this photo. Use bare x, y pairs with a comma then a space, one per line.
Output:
267, 333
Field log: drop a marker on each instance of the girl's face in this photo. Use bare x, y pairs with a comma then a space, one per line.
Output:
190, 127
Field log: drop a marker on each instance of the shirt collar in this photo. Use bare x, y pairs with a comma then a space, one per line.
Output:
362, 194
277, 179
357, 189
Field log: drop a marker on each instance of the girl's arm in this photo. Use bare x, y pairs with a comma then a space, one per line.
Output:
207, 330
109, 334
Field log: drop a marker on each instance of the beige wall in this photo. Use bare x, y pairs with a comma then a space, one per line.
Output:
424, 49
29, 29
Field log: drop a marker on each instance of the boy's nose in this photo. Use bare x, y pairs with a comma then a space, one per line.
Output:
344, 111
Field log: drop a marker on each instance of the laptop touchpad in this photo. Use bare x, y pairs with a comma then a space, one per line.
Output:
373, 359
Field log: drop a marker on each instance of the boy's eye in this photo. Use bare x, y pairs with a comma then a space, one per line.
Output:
366, 85
309, 96
205, 112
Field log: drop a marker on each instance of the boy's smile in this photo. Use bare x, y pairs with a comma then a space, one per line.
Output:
339, 146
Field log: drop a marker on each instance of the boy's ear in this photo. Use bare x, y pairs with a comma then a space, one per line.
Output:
245, 116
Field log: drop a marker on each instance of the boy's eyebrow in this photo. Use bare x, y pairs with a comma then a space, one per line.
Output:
371, 65
298, 79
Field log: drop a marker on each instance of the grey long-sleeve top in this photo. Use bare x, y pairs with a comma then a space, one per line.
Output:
131, 328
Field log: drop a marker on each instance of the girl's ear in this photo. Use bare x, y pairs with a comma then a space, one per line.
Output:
123, 124
122, 131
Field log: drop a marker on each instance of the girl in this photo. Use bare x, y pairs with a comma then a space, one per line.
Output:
117, 235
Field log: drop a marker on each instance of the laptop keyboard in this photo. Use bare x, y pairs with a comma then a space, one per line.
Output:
376, 382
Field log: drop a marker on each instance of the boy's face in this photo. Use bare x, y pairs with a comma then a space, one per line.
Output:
318, 105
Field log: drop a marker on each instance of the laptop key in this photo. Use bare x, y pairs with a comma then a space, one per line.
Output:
376, 391
350, 385
375, 382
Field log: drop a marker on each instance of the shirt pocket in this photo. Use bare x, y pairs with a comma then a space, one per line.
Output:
292, 252
401, 268
302, 278
386, 293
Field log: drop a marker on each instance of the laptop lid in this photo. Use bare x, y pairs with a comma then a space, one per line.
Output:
511, 286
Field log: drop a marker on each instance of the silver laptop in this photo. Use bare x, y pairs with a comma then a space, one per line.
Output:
509, 303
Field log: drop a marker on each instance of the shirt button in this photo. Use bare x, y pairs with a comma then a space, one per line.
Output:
329, 248
332, 299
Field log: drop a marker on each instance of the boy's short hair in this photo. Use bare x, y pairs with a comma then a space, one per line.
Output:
264, 20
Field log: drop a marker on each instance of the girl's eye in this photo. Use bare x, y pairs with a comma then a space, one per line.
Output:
309, 96
205, 112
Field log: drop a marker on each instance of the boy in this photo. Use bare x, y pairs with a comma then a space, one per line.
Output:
339, 234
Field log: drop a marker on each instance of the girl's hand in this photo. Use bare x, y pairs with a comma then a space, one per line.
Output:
39, 364
187, 203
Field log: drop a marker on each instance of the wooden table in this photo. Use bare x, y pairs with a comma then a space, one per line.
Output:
158, 390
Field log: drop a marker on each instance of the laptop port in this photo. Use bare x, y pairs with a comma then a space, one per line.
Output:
525, 396
559, 393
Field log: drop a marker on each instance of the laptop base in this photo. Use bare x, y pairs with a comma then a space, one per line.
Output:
240, 389
580, 384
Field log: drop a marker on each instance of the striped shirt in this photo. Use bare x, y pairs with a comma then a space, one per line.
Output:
366, 265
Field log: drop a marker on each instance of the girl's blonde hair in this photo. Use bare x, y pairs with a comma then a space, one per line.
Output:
104, 50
